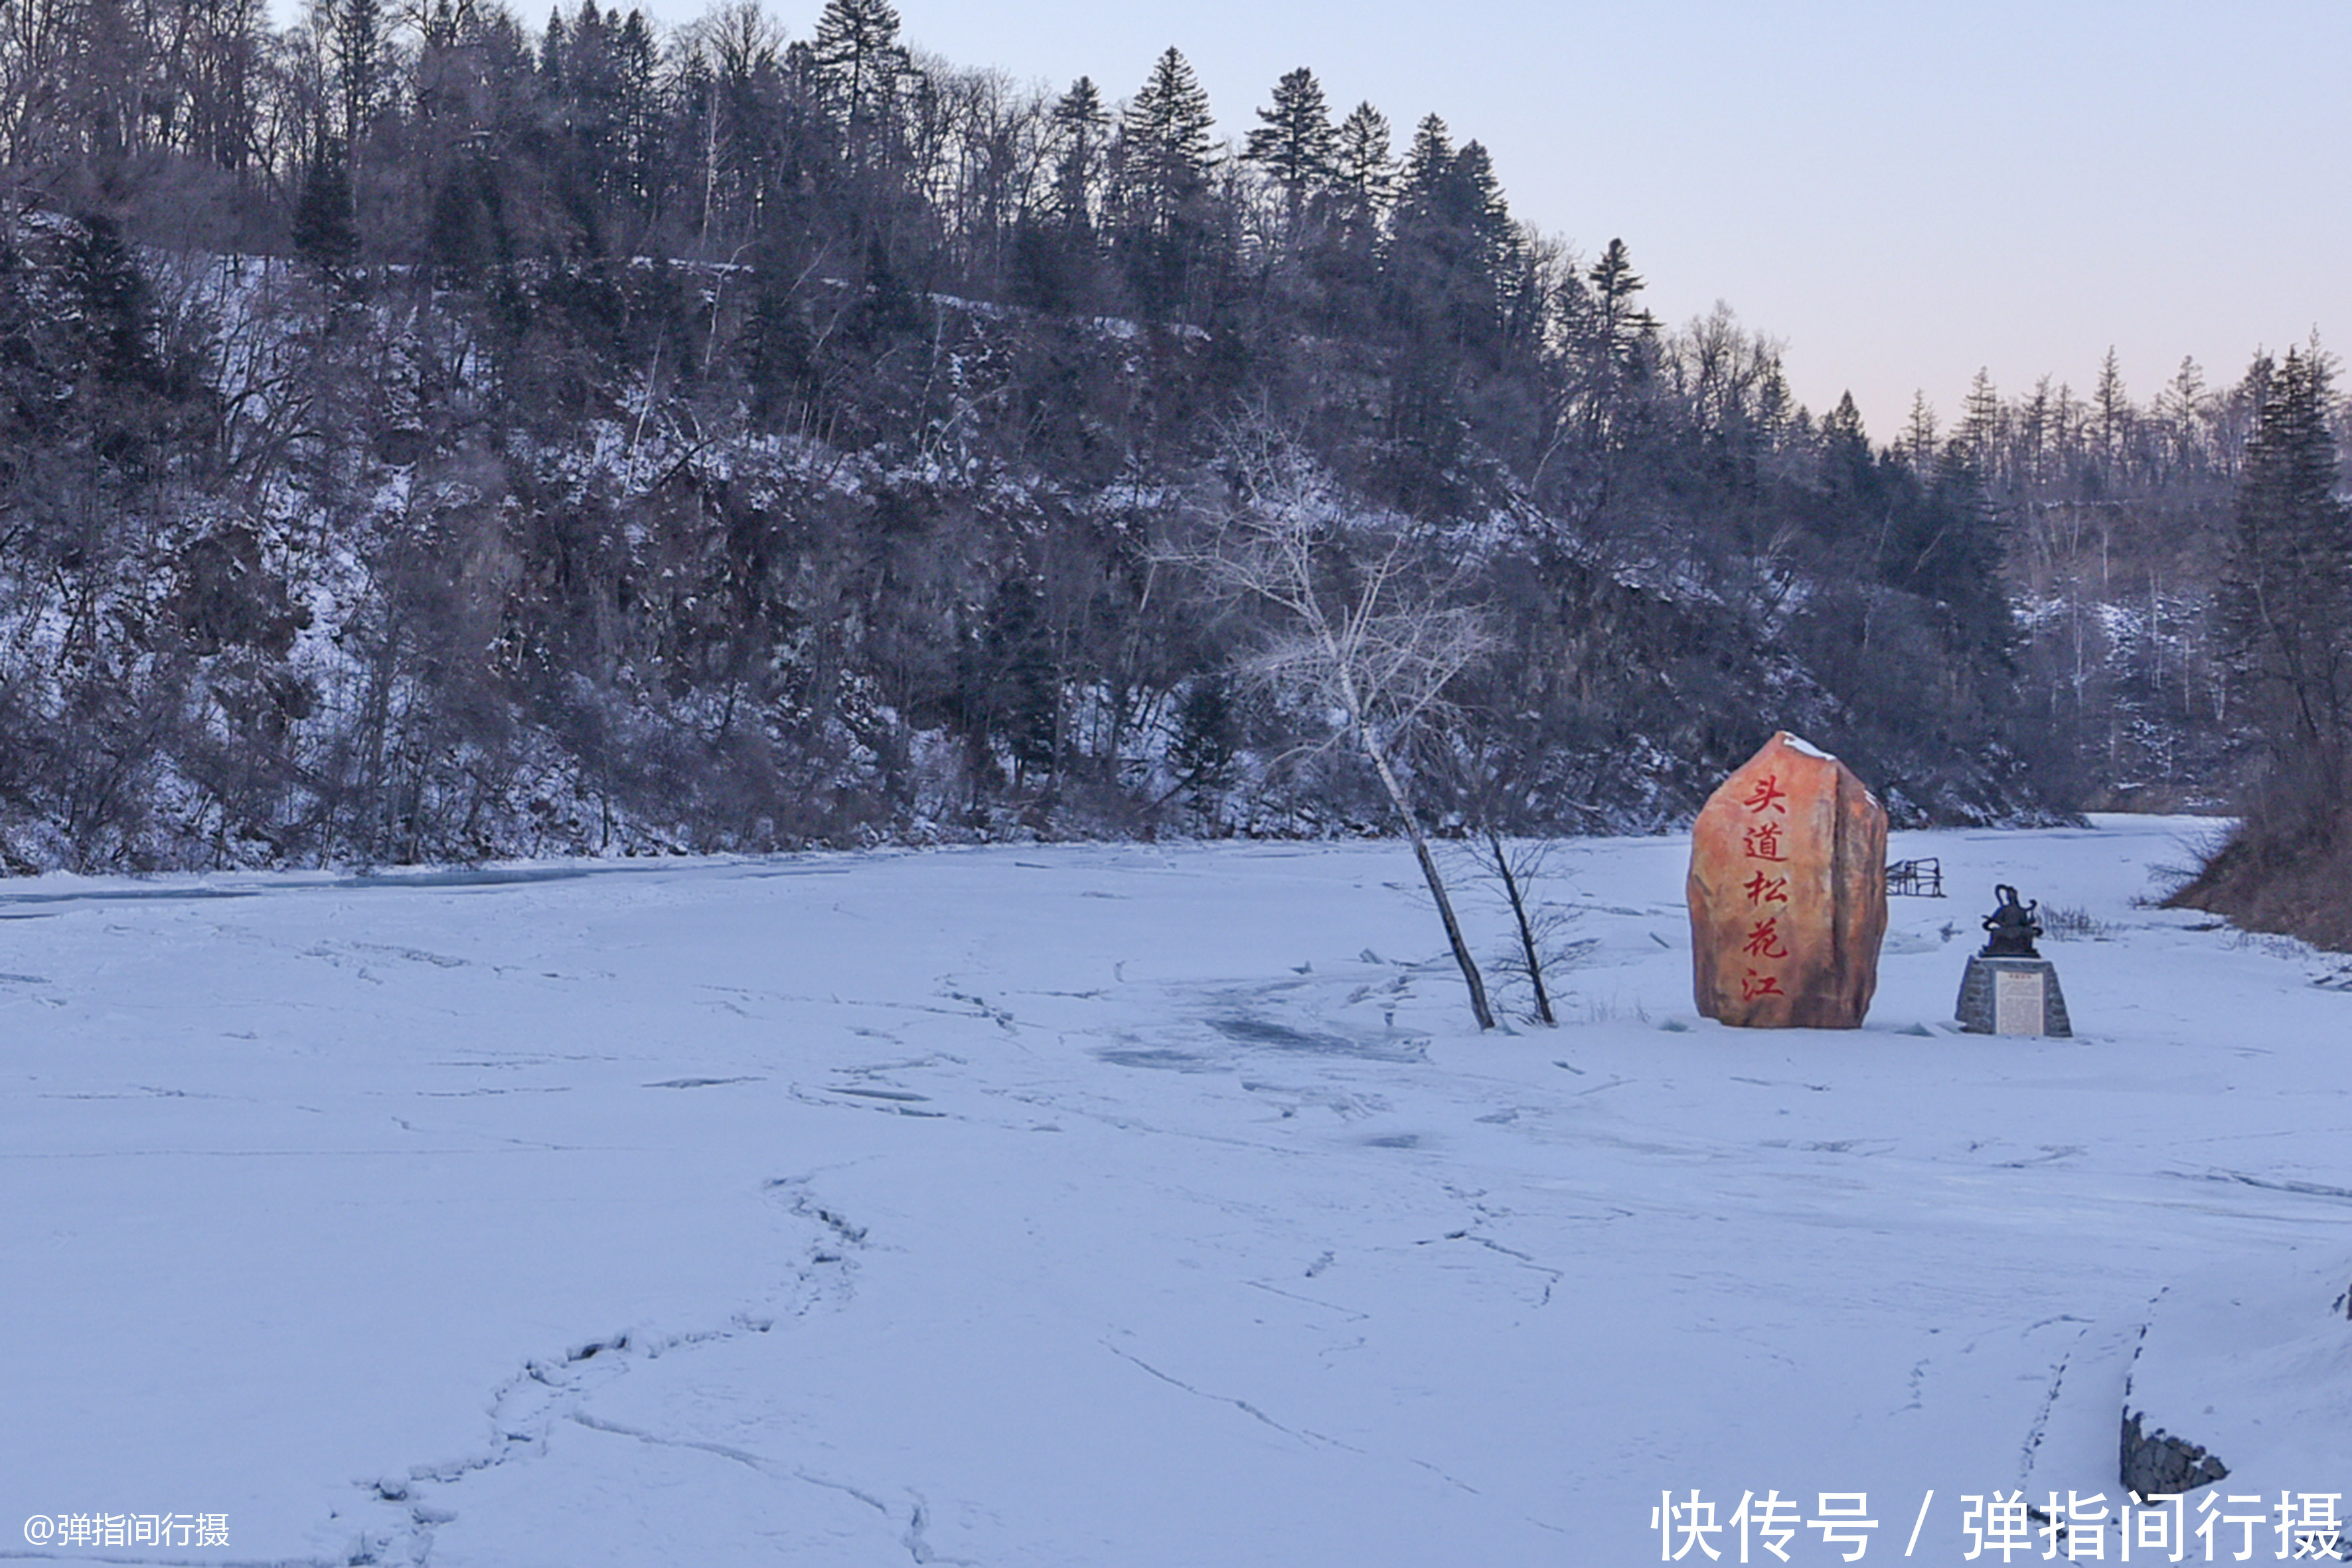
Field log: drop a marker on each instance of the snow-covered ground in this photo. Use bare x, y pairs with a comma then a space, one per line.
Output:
1126, 1206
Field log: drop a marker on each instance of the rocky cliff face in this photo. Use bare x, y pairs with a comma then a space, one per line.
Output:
298, 568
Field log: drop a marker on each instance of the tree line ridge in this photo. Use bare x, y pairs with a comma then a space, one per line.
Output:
433, 439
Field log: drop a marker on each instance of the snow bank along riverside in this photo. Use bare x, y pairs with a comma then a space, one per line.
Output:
1136, 1205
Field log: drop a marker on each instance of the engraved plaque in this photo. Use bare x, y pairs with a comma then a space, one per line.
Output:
2017, 1003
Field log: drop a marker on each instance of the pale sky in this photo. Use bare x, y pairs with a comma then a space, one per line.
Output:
1900, 193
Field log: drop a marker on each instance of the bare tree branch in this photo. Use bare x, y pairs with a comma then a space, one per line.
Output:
1356, 627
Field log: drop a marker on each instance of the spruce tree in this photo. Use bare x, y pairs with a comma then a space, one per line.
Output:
858, 58
2115, 414
1841, 428
2033, 425
1478, 206
1362, 183
2183, 407
325, 235
1918, 442
113, 307
1166, 153
1294, 138
1426, 161
359, 49
591, 87
2286, 599
1054, 261
1617, 333
636, 80
1981, 423
1361, 166
1164, 156
550, 52
1607, 349
1080, 124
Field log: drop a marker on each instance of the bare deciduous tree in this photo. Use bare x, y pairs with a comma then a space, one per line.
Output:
1357, 629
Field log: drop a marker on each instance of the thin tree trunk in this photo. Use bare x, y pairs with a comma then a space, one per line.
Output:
1470, 975
1526, 932
1357, 716
1471, 978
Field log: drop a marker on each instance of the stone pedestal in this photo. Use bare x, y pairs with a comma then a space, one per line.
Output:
2012, 996
1788, 893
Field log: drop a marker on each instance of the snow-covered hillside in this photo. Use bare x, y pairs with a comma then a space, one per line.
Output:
1125, 1206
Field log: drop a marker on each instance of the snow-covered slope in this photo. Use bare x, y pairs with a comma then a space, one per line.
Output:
1126, 1206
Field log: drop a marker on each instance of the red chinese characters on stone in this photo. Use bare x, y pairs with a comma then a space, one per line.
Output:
1767, 793
1788, 893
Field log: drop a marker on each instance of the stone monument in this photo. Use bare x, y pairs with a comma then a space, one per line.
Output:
2009, 988
1788, 892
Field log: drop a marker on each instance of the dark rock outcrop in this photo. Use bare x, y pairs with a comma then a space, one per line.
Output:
2157, 1462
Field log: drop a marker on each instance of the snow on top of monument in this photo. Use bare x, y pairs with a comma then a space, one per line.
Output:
1148, 1204
1804, 747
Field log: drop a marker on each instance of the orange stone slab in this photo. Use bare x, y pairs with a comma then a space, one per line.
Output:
1788, 892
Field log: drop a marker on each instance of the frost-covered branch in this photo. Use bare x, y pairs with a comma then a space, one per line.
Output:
1357, 628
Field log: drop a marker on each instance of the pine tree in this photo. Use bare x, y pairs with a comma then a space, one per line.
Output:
1357, 197
1080, 123
1981, 422
323, 233
113, 306
1846, 464
1953, 547
860, 62
1918, 443
1841, 426
1620, 333
1608, 347
359, 51
1294, 140
550, 52
1361, 168
2287, 597
2115, 408
638, 105
1056, 261
1165, 151
1453, 241
1477, 204
1164, 157
591, 90
1776, 406
1425, 161
2034, 422
2184, 408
